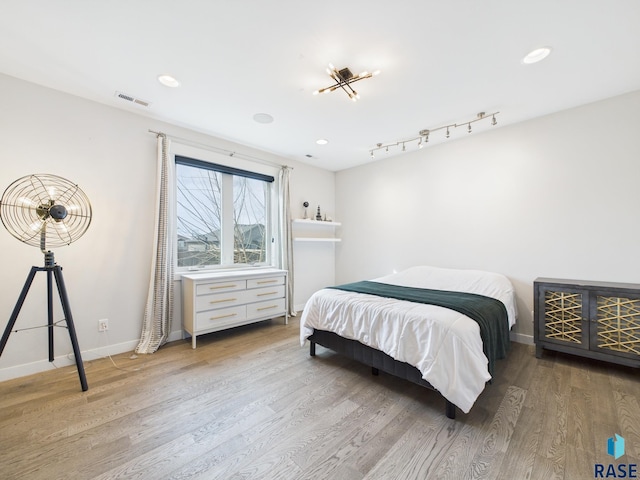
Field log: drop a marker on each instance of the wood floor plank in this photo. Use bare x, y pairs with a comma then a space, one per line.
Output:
520, 456
351, 436
580, 432
490, 454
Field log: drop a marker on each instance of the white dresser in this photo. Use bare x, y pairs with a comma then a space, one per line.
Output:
219, 300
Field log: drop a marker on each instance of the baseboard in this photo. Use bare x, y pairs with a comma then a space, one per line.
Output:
65, 360
23, 370
521, 338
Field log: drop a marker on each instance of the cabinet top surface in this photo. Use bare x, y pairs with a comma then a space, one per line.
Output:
586, 283
245, 273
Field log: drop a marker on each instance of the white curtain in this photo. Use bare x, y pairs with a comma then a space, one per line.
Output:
159, 308
286, 240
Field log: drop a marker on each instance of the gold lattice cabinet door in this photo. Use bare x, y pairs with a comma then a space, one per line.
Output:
619, 324
563, 316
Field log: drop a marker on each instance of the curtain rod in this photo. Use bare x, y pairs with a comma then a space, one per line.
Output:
230, 153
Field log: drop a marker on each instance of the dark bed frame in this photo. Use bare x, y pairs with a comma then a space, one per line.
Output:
376, 359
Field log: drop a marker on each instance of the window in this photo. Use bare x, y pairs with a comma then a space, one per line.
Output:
223, 215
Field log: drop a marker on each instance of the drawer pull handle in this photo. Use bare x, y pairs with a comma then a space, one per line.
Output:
260, 282
223, 316
265, 293
267, 308
224, 300
222, 286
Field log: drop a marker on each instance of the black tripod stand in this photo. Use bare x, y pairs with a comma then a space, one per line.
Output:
53, 271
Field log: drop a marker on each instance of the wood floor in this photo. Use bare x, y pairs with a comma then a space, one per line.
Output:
251, 403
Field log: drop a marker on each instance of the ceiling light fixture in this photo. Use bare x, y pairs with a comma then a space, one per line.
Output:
168, 81
322, 141
536, 55
423, 135
344, 78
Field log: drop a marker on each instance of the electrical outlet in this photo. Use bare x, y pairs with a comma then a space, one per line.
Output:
103, 325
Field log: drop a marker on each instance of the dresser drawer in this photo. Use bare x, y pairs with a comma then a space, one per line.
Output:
273, 307
266, 281
219, 319
220, 300
218, 287
265, 293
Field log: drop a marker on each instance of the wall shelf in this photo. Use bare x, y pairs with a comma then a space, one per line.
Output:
318, 223
316, 239
308, 230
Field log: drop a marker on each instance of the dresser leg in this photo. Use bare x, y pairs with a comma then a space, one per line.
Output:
539, 351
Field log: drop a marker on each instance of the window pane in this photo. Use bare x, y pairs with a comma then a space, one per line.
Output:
199, 212
249, 220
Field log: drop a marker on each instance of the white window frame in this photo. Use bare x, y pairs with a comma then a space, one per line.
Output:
227, 234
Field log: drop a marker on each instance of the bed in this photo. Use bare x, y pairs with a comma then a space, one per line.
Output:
401, 325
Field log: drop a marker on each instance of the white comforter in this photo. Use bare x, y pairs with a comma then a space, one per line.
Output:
443, 344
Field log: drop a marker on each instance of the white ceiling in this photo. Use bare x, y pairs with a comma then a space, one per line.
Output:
441, 62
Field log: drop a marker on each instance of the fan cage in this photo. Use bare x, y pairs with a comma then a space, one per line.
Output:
25, 211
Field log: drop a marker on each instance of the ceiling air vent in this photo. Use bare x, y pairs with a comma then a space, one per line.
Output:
132, 99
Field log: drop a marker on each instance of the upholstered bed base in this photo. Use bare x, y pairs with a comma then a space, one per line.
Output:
376, 359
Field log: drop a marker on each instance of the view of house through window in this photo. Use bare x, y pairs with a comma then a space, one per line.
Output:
222, 215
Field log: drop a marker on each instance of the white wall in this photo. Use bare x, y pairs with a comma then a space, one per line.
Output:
111, 156
557, 196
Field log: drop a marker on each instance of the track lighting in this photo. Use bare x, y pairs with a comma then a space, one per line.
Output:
344, 78
423, 135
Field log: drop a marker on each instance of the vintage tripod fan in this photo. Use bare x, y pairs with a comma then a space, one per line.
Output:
46, 211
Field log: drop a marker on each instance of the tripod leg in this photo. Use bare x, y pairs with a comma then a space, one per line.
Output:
57, 270
50, 314
16, 310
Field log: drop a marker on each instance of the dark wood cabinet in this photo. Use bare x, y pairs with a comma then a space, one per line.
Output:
598, 320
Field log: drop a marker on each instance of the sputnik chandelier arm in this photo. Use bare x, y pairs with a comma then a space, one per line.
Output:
344, 78
423, 135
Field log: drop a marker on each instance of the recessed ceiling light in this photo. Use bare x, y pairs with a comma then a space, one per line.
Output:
537, 55
322, 141
168, 81
263, 118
